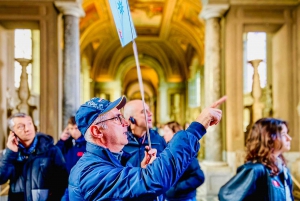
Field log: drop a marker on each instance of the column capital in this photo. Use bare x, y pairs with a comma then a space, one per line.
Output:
214, 11
70, 8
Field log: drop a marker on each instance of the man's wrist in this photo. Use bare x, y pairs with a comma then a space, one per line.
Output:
197, 129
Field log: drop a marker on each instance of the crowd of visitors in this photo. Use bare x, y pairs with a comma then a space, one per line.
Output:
103, 155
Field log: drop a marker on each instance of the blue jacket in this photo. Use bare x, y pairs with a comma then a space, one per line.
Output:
44, 168
136, 149
185, 187
253, 182
98, 175
72, 150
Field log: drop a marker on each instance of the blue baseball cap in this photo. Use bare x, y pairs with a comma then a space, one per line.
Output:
89, 111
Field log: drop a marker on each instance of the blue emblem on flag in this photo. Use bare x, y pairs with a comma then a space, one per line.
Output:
123, 21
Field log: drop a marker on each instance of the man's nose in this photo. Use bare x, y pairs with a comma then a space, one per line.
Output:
149, 113
125, 122
26, 127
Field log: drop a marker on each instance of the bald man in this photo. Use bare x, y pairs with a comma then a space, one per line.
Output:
137, 132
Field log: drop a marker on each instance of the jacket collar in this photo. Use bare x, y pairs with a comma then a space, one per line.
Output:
95, 149
44, 142
106, 154
102, 152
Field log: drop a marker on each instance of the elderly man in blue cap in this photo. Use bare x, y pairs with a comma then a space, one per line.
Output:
102, 173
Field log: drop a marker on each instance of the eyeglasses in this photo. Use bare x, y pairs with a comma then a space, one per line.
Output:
118, 119
21, 127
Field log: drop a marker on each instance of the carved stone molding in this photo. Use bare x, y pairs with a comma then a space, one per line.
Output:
213, 11
257, 107
70, 8
24, 92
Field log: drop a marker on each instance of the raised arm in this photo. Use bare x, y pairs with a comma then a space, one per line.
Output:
105, 178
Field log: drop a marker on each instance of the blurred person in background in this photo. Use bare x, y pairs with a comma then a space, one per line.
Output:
264, 176
185, 188
137, 132
72, 144
35, 167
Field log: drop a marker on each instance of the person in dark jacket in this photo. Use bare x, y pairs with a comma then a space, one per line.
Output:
265, 176
193, 176
100, 173
137, 129
35, 167
72, 146
137, 133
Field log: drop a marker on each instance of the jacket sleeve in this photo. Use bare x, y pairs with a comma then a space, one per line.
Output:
59, 175
7, 168
194, 177
163, 143
176, 157
242, 185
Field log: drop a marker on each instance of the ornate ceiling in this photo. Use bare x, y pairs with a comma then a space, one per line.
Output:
170, 38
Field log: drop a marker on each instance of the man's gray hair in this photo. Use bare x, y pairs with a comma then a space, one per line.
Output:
100, 118
11, 122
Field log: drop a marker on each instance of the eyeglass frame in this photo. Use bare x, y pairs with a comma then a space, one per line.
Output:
119, 116
23, 126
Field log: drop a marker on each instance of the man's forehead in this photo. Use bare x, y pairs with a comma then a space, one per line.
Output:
146, 107
114, 111
138, 105
22, 119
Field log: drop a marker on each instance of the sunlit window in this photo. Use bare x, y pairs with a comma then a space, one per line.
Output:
255, 47
23, 49
194, 88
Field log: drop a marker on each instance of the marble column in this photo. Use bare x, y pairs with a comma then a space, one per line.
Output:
71, 11
212, 76
216, 171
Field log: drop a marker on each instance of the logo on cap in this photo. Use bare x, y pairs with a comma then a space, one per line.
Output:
98, 103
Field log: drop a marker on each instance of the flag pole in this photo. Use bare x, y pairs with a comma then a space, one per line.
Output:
123, 21
140, 79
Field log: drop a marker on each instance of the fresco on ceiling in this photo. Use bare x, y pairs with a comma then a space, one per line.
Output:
91, 16
191, 16
145, 14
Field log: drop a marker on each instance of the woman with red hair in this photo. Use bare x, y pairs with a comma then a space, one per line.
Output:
264, 176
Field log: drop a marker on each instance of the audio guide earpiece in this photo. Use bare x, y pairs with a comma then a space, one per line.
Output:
132, 120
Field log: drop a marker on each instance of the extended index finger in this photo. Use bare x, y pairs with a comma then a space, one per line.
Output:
219, 102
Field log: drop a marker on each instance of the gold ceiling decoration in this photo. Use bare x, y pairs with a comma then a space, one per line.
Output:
169, 32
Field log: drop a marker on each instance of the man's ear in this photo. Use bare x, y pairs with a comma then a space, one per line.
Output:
96, 132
